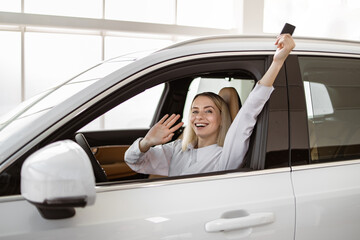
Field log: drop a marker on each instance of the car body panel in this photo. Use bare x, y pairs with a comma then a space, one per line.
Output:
327, 205
175, 209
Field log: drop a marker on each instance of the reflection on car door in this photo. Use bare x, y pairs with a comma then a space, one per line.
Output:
252, 205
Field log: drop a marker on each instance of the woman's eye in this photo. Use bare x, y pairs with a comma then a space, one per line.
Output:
195, 112
208, 111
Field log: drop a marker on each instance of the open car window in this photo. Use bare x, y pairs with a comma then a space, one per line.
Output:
132, 119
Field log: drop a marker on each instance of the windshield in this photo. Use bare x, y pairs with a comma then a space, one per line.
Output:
31, 109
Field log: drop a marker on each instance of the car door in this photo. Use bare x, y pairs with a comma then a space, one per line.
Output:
255, 204
248, 205
325, 138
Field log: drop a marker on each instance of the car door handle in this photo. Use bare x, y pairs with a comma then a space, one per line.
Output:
252, 220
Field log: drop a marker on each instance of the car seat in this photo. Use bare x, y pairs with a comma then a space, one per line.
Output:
231, 97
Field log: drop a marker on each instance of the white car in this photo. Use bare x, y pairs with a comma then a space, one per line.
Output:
62, 170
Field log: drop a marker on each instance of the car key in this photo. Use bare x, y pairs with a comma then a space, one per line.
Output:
288, 28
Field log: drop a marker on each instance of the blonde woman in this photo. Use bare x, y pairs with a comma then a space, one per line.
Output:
211, 142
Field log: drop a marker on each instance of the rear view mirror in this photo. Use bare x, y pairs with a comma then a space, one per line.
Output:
58, 178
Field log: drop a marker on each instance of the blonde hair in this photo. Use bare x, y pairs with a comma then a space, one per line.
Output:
189, 134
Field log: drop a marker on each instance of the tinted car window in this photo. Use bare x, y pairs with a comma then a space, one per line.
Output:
332, 87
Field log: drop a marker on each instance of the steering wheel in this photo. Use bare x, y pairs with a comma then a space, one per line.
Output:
100, 175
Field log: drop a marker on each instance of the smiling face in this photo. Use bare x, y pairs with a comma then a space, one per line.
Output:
205, 120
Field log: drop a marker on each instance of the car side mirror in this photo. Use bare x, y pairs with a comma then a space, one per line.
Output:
317, 99
58, 178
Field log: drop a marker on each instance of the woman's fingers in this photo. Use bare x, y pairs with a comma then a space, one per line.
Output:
281, 39
173, 120
285, 39
169, 119
169, 137
168, 122
280, 42
277, 39
285, 44
176, 127
162, 120
162, 131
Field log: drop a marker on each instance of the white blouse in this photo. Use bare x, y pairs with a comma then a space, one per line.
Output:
170, 160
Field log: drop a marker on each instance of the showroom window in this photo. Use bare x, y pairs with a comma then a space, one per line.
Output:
322, 18
10, 74
332, 89
206, 13
78, 8
159, 11
10, 5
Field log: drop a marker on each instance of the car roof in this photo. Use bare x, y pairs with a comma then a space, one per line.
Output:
266, 43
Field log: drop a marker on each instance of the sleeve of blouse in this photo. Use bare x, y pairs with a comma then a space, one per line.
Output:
238, 136
155, 161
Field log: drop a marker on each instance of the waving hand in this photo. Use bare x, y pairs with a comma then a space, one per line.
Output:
161, 132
